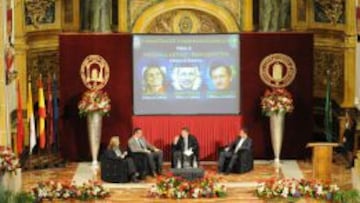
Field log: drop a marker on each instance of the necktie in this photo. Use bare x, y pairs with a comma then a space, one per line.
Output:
141, 144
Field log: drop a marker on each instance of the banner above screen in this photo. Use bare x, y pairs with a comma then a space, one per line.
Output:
186, 74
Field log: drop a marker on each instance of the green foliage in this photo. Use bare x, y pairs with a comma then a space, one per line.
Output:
347, 196
11, 197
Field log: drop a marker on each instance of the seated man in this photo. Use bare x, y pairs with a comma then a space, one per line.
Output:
185, 150
137, 143
241, 146
113, 152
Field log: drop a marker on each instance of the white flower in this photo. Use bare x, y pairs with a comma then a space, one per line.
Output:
285, 192
319, 190
334, 188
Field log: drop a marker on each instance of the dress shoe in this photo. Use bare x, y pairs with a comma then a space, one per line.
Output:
134, 179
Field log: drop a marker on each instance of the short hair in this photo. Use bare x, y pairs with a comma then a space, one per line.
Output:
245, 129
136, 130
214, 67
185, 129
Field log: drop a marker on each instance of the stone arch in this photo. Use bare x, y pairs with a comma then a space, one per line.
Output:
143, 21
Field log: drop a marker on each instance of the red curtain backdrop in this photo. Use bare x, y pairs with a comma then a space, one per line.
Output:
117, 51
211, 132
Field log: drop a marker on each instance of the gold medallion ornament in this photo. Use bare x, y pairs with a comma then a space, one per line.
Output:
185, 22
95, 72
277, 70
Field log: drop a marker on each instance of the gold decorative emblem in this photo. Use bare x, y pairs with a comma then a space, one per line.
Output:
94, 72
185, 22
277, 70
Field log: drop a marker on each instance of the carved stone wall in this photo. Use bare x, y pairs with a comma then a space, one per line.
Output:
332, 60
137, 7
44, 63
185, 21
329, 11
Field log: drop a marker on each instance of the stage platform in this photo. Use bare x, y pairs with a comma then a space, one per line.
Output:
240, 186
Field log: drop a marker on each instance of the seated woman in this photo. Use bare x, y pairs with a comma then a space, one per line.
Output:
185, 150
113, 152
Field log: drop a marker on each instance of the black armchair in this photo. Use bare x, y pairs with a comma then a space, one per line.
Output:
113, 170
245, 162
141, 163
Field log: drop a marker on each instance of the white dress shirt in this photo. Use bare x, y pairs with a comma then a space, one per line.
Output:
186, 145
242, 140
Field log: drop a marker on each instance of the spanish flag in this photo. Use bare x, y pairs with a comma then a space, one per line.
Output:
42, 115
31, 121
20, 122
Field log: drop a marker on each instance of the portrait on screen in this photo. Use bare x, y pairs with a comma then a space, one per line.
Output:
186, 77
154, 80
221, 77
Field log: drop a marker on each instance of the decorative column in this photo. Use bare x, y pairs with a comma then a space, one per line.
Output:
3, 116
350, 55
247, 16
123, 16
101, 16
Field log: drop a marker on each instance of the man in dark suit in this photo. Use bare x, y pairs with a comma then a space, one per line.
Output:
185, 150
242, 143
137, 143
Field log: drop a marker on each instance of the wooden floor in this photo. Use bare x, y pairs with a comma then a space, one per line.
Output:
341, 176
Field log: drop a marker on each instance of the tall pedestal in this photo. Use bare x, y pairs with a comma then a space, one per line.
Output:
277, 132
11, 181
94, 122
322, 159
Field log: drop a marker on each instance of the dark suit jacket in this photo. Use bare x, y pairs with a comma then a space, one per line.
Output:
192, 143
246, 145
110, 154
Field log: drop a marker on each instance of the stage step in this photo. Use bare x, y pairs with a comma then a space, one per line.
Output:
42, 161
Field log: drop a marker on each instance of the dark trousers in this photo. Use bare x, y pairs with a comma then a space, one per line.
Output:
129, 162
225, 155
178, 156
155, 160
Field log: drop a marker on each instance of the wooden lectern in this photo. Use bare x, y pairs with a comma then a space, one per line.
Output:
322, 159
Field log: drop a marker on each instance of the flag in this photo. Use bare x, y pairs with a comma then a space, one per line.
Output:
31, 120
49, 117
328, 111
55, 111
42, 114
20, 122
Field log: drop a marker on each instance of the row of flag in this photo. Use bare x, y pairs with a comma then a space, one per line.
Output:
45, 136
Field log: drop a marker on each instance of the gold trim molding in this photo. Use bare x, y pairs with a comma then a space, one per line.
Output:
142, 23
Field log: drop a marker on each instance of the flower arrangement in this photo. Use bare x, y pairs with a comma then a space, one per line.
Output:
292, 189
8, 161
170, 186
94, 101
55, 190
277, 100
